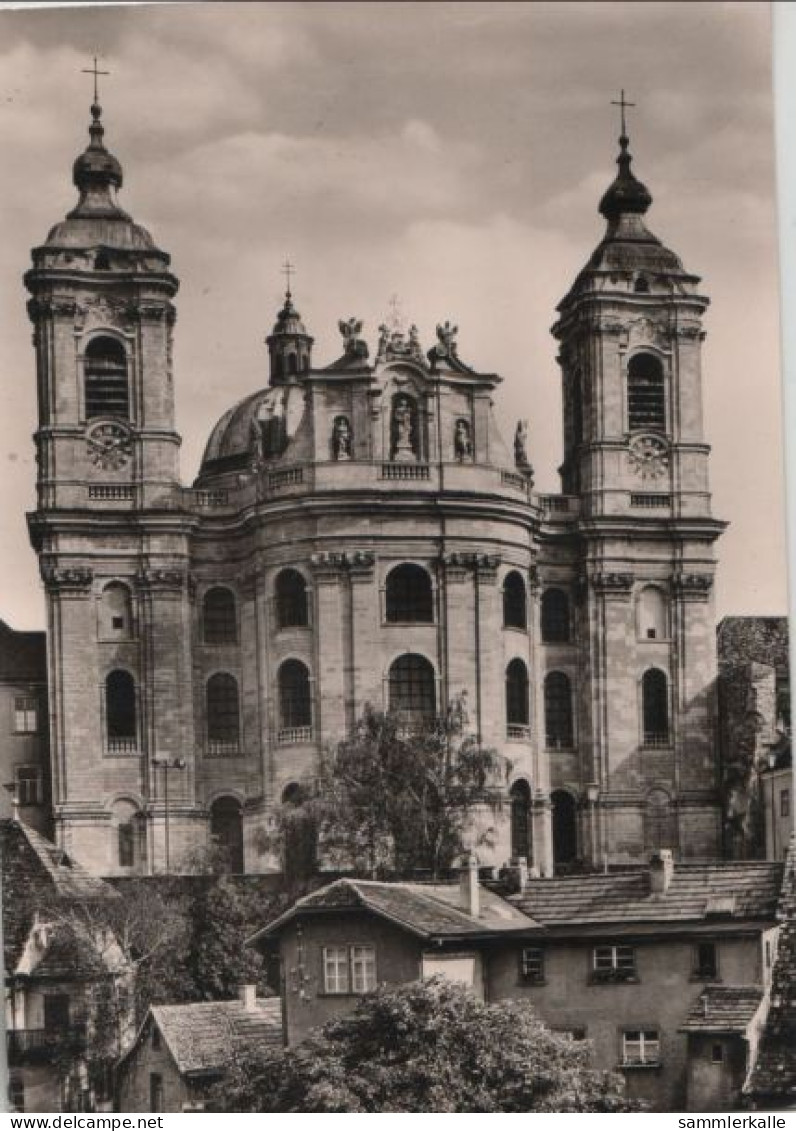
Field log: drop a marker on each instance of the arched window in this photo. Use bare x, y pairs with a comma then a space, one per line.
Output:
116, 612
219, 616
520, 795
652, 614
226, 833
129, 825
292, 609
659, 831
655, 707
646, 394
515, 608
102, 261
120, 710
409, 596
292, 365
107, 392
565, 827
223, 713
412, 690
555, 616
558, 711
295, 699
517, 709
641, 285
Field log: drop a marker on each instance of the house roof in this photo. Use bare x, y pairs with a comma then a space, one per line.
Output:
23, 655
204, 1036
37, 875
427, 910
713, 891
723, 1009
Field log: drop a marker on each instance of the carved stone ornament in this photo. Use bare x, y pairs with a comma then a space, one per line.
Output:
74, 579
646, 331
460, 562
395, 346
688, 333
161, 578
649, 456
694, 585
620, 583
353, 345
335, 562
110, 445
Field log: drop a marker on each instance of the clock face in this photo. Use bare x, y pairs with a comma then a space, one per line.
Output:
110, 445
649, 456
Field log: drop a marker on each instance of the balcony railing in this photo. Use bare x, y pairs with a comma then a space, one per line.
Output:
222, 747
122, 745
42, 1044
517, 732
293, 736
404, 471
656, 740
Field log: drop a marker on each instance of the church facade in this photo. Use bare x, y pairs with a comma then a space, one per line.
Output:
360, 533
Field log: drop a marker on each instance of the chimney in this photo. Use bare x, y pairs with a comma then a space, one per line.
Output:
468, 885
661, 870
248, 997
517, 873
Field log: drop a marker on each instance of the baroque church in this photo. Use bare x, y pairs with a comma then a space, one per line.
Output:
360, 533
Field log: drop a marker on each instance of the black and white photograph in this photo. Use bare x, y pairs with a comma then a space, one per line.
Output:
394, 653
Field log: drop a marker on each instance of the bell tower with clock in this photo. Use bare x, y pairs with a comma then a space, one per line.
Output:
112, 545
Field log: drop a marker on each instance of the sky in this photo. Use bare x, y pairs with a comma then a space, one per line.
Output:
452, 154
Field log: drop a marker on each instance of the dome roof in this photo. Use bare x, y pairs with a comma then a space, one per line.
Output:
288, 320
627, 194
230, 441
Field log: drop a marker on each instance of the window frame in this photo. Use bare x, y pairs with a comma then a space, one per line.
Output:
620, 967
285, 605
532, 966
406, 609
639, 386
223, 724
517, 694
412, 690
655, 737
348, 969
647, 1035
705, 972
24, 795
26, 711
225, 632
561, 621
511, 602
563, 713
114, 367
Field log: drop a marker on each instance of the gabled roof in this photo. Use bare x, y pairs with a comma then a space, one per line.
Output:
204, 1036
38, 875
724, 1009
716, 891
425, 910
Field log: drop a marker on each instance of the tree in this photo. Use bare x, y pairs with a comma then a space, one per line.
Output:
222, 918
391, 801
426, 1047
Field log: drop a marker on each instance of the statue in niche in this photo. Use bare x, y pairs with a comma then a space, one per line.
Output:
341, 438
404, 441
462, 444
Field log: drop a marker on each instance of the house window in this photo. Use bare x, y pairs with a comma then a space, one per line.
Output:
646, 394
156, 1092
641, 1046
56, 1013
515, 612
219, 617
223, 713
335, 970
412, 690
409, 597
363, 969
28, 785
558, 711
156, 1038
107, 392
126, 835
532, 965
555, 617
717, 1054
292, 608
706, 964
655, 707
26, 714
784, 803
614, 963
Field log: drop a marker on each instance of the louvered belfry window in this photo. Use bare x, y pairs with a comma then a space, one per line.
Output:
646, 394
107, 390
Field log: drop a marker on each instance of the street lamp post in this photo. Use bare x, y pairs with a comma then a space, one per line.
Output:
167, 764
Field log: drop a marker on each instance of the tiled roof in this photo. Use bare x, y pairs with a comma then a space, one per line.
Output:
773, 1075
428, 910
723, 1009
37, 875
204, 1036
23, 655
742, 890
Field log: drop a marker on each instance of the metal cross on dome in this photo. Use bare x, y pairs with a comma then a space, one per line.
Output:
95, 72
287, 270
624, 105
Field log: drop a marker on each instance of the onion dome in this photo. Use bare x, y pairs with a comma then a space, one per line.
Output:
288, 320
627, 194
97, 220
